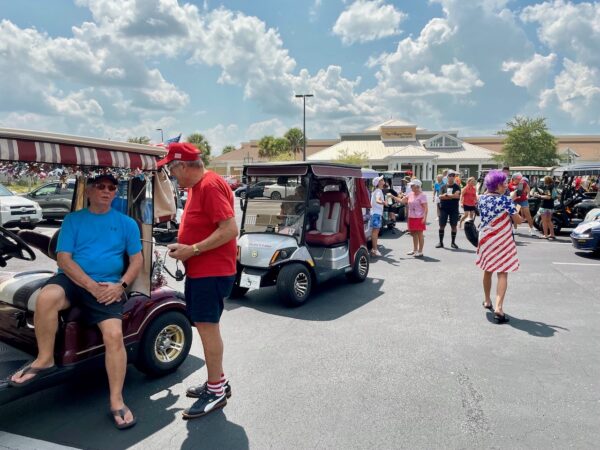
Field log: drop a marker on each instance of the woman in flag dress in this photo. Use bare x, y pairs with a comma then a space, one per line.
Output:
497, 251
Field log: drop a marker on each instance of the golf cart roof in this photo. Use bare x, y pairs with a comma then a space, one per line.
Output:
53, 148
369, 173
578, 169
321, 169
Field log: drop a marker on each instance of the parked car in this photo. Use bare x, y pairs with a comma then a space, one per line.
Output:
587, 234
253, 191
17, 211
54, 198
278, 190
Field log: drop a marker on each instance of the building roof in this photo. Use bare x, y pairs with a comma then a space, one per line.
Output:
392, 123
248, 151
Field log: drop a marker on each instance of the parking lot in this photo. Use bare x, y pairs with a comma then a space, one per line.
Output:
407, 359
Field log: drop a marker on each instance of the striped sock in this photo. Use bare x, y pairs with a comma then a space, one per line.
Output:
216, 388
223, 379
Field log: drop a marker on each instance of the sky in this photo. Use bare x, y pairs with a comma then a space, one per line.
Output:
230, 69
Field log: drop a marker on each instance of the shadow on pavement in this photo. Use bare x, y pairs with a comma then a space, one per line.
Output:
77, 414
589, 255
534, 328
329, 301
215, 431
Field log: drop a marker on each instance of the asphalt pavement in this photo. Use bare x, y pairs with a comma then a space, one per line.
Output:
407, 359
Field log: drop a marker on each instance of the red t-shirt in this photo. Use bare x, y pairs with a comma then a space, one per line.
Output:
513, 187
469, 195
209, 202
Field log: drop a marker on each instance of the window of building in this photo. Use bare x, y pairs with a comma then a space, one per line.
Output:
443, 141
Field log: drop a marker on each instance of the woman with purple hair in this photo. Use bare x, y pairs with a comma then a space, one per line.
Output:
497, 251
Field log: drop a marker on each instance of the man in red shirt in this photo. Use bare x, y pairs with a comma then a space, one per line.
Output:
206, 244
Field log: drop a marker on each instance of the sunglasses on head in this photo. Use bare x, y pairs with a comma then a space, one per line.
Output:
101, 186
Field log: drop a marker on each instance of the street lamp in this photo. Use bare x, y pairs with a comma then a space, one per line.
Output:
304, 121
162, 139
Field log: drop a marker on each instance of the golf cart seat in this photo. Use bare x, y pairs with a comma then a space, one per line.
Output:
332, 224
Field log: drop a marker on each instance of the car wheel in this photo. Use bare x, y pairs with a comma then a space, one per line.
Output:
360, 268
294, 284
275, 196
165, 344
237, 291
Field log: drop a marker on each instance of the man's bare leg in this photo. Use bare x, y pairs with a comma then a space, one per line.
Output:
116, 364
50, 302
212, 343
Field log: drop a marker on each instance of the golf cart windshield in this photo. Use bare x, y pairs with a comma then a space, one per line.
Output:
280, 209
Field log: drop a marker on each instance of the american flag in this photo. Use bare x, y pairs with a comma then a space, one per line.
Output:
497, 251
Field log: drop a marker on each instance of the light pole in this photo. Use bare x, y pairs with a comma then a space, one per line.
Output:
304, 121
162, 139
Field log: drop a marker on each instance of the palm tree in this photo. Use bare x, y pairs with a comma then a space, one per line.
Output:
227, 149
296, 139
202, 144
139, 140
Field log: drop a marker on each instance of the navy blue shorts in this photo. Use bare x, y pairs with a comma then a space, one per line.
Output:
204, 297
448, 215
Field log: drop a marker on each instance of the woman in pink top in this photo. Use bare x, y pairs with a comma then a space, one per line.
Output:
417, 216
468, 200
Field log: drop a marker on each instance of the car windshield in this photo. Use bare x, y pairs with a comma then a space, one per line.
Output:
4, 192
280, 210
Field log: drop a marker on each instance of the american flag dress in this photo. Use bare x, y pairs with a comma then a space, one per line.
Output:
497, 251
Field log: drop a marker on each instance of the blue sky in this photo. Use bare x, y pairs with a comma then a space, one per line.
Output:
229, 69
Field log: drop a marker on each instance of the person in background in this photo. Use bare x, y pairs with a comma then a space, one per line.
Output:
417, 216
445, 176
468, 200
497, 251
391, 196
449, 198
519, 185
377, 202
506, 171
436, 193
547, 196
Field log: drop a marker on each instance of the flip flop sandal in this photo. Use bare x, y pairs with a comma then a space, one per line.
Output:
37, 372
500, 318
114, 413
490, 306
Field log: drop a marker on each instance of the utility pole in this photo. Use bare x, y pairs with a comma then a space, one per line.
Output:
303, 96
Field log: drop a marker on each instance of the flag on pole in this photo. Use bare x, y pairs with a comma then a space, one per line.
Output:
173, 139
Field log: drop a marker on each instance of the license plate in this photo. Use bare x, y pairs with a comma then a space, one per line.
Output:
250, 281
25, 219
581, 241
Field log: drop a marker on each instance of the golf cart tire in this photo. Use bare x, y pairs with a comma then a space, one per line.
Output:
237, 291
290, 281
360, 268
147, 360
275, 196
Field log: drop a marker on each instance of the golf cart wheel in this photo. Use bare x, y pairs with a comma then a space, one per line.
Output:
294, 284
165, 344
275, 196
237, 291
360, 268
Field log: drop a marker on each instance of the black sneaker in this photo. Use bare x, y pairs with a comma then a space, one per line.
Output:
196, 391
440, 245
207, 402
453, 245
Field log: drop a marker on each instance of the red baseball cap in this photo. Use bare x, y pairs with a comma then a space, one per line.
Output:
180, 151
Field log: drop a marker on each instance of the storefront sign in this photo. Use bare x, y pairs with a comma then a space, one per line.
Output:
398, 134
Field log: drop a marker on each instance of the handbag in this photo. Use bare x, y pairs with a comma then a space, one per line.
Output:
471, 232
164, 198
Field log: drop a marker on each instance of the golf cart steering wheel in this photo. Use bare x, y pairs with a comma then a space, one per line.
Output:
12, 246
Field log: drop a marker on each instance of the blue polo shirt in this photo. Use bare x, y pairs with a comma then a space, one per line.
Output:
98, 242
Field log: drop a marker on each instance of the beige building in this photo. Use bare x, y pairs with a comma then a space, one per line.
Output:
400, 145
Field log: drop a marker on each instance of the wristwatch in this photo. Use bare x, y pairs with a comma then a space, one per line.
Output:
124, 285
196, 249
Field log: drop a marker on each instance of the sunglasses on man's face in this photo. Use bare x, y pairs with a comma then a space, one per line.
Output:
102, 186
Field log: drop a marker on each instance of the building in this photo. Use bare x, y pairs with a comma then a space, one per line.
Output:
400, 145
231, 163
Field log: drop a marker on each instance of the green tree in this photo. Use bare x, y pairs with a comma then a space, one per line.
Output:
202, 144
356, 158
295, 139
269, 147
528, 143
227, 149
139, 140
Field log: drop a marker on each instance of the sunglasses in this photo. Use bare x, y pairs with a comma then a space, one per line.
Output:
102, 186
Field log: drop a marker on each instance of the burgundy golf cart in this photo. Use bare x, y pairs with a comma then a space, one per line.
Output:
156, 329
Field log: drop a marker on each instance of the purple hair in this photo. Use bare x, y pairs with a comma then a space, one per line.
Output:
494, 179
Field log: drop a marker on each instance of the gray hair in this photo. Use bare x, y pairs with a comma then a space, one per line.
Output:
517, 175
198, 164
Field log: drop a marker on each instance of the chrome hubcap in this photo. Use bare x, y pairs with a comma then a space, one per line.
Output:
169, 343
301, 284
363, 265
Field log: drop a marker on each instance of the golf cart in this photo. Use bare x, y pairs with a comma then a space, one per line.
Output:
313, 232
157, 332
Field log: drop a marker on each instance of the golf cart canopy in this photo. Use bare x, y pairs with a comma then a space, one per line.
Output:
578, 169
61, 149
302, 168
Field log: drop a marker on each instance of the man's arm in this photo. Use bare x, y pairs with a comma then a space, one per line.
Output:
114, 291
225, 232
77, 275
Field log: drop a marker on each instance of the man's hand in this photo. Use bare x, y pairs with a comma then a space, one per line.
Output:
181, 252
97, 289
111, 293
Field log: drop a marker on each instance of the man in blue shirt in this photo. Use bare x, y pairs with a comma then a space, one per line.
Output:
90, 255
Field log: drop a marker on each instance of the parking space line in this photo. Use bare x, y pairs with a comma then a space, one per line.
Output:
575, 264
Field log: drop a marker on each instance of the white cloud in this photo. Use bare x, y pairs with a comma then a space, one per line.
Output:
273, 127
368, 20
313, 11
531, 73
